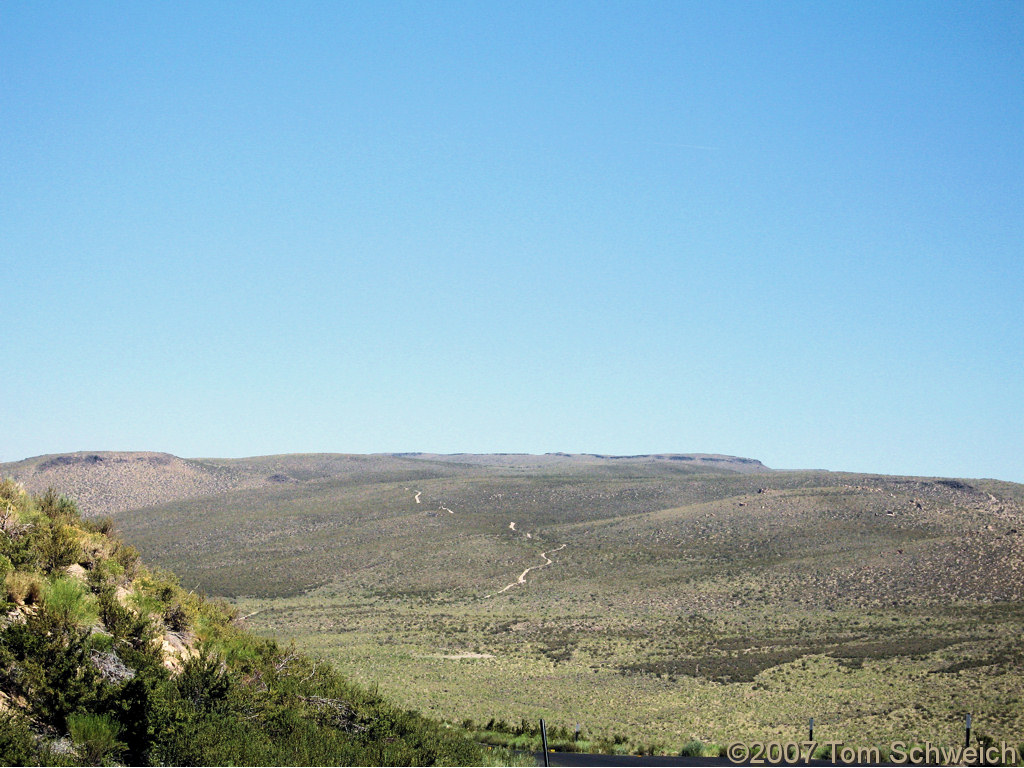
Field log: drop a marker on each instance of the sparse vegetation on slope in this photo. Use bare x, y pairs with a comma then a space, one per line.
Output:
690, 603
104, 661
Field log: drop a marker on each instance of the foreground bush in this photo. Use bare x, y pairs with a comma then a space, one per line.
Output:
91, 678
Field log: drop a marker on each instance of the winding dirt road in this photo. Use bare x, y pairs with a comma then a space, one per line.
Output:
522, 576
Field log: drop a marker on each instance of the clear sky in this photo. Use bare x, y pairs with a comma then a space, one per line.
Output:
789, 231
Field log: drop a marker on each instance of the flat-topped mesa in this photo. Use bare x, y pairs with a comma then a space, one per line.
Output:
701, 458
111, 482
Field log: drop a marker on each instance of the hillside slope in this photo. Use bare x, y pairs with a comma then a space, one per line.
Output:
720, 599
720, 605
109, 482
102, 659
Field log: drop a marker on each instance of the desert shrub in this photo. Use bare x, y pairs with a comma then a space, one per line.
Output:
101, 642
5, 566
176, 617
48, 663
18, 547
137, 631
127, 557
58, 508
103, 525
95, 736
70, 602
17, 744
145, 604
693, 748
58, 547
11, 491
204, 682
105, 572
24, 587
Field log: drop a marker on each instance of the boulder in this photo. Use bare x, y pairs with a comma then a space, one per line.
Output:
76, 571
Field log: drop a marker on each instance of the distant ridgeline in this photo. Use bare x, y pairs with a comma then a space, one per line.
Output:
103, 660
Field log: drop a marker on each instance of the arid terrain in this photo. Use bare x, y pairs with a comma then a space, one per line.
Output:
656, 599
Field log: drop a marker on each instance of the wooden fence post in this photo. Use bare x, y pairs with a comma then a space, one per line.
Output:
544, 741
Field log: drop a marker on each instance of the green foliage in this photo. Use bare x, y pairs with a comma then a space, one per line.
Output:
58, 508
204, 683
693, 748
17, 743
58, 546
95, 737
103, 525
118, 620
90, 666
127, 557
24, 587
176, 617
70, 603
47, 661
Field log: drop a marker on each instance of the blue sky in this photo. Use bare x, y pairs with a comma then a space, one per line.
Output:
791, 231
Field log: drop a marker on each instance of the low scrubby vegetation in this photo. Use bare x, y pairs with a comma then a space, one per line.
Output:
685, 606
104, 661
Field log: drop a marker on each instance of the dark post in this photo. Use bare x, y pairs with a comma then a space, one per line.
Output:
968, 731
810, 737
544, 741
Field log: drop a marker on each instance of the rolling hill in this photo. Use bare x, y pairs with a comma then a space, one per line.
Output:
104, 661
653, 598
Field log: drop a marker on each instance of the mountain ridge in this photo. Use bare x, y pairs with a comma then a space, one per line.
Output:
111, 482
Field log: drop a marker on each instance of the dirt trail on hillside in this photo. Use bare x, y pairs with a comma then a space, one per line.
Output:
522, 576
512, 527
418, 496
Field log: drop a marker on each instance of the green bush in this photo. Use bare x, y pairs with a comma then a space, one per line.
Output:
95, 736
105, 572
58, 547
127, 557
71, 603
136, 631
103, 525
58, 508
47, 662
17, 744
204, 683
176, 617
693, 748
